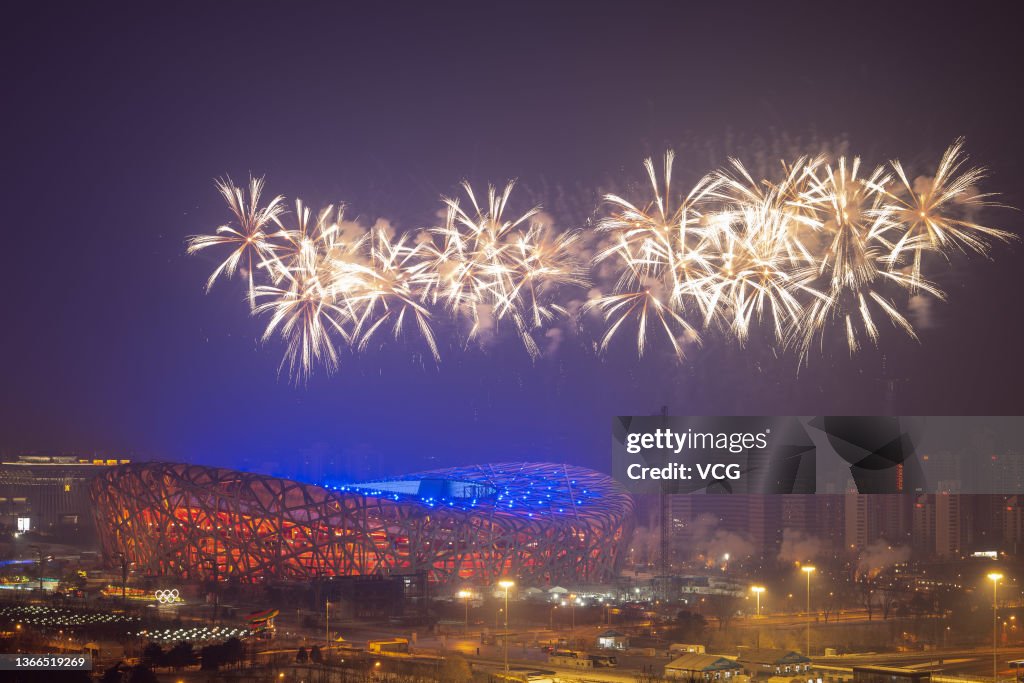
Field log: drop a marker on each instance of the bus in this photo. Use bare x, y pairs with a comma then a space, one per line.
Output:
387, 647
603, 661
570, 658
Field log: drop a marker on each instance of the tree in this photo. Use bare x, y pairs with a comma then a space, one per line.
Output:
212, 656
301, 657
234, 651
113, 674
689, 627
890, 598
724, 608
141, 674
180, 656
73, 581
829, 605
866, 595
153, 655
456, 670
919, 605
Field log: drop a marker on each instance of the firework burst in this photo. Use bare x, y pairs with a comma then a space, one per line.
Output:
662, 252
491, 269
936, 213
829, 244
250, 242
303, 311
385, 291
858, 233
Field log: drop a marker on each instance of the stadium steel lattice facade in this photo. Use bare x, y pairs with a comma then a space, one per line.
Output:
542, 523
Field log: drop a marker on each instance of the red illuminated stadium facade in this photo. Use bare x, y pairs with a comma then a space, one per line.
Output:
542, 523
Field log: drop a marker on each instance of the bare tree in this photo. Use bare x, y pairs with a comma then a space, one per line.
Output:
723, 607
829, 605
866, 594
890, 597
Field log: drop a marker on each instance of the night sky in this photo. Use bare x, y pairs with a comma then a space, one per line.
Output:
118, 118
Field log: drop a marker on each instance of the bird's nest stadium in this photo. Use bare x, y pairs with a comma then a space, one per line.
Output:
542, 523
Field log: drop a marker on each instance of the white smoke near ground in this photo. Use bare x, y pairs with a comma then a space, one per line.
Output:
645, 546
717, 545
798, 546
702, 527
880, 555
727, 545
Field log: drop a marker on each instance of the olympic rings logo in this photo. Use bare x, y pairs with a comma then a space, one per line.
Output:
165, 597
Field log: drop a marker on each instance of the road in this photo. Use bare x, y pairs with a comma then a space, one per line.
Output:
970, 662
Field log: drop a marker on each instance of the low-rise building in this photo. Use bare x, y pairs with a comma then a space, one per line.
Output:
613, 640
763, 663
695, 667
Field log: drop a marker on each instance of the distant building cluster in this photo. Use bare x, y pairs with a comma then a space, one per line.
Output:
944, 525
49, 493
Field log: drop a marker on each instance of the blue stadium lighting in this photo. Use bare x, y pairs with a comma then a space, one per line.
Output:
485, 522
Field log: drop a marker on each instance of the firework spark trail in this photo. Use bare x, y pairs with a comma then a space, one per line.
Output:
250, 241
305, 315
935, 213
487, 267
858, 230
662, 252
752, 273
386, 290
826, 245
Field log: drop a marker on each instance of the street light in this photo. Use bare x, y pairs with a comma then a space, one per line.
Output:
757, 590
506, 584
572, 626
551, 618
123, 560
465, 595
994, 577
807, 569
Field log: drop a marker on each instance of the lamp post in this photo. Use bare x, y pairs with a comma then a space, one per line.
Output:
807, 569
551, 618
995, 577
327, 625
757, 590
506, 584
123, 561
572, 626
465, 595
